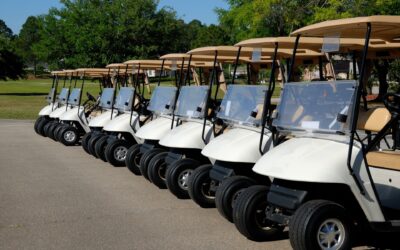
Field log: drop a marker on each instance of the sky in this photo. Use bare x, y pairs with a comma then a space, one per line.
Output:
15, 12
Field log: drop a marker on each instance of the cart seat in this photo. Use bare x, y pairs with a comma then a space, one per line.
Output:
374, 119
384, 159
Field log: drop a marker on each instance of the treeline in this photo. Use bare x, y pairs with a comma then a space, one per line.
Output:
93, 33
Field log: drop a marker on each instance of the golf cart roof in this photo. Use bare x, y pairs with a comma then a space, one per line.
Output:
305, 43
226, 54
383, 27
92, 72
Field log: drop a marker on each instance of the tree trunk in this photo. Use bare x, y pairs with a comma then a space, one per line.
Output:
382, 70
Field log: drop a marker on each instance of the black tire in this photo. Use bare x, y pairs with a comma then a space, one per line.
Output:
133, 159
59, 130
199, 187
177, 176
47, 127
249, 215
37, 122
50, 130
146, 158
92, 143
85, 141
53, 133
306, 222
100, 147
157, 169
116, 151
228, 192
41, 125
69, 136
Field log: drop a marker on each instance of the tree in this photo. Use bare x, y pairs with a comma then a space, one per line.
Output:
90, 33
27, 38
11, 65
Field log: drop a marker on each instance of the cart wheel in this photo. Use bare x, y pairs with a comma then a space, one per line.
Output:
55, 133
41, 125
37, 122
69, 136
228, 192
320, 224
199, 187
132, 159
50, 130
249, 215
58, 132
146, 158
100, 147
157, 170
85, 141
47, 127
115, 152
92, 143
177, 176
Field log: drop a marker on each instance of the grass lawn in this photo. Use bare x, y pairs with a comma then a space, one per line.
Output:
23, 99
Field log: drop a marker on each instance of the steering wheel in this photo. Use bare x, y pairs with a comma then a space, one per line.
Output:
392, 102
90, 97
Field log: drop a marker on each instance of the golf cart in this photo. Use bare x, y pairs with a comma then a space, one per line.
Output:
162, 105
63, 106
188, 104
53, 102
116, 77
334, 177
74, 122
196, 106
118, 135
245, 111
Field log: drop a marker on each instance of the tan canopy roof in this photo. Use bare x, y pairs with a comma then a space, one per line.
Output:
383, 27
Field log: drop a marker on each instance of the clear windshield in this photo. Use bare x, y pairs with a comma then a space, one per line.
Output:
74, 97
62, 97
124, 99
243, 104
50, 96
162, 100
315, 107
106, 98
191, 101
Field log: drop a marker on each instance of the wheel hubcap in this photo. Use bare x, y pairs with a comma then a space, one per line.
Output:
161, 171
206, 190
331, 234
69, 136
183, 178
120, 153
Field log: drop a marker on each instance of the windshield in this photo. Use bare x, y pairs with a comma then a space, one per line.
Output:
191, 101
74, 97
162, 100
315, 107
106, 98
124, 99
62, 97
50, 96
243, 104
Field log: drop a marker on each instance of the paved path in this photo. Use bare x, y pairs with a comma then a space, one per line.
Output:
54, 197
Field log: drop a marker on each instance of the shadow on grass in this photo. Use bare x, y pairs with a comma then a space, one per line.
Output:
24, 94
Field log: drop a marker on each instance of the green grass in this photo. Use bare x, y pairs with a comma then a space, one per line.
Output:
23, 99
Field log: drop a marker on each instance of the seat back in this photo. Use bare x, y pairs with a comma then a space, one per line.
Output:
373, 120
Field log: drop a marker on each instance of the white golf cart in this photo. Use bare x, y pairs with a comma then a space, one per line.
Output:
334, 177
74, 122
119, 134
117, 76
162, 105
53, 102
63, 106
